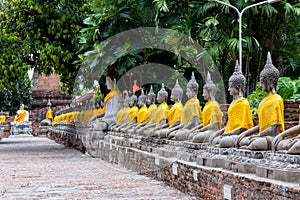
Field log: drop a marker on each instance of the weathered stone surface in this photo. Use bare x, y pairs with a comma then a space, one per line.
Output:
203, 170
63, 173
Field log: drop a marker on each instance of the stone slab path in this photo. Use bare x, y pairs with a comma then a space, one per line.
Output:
39, 168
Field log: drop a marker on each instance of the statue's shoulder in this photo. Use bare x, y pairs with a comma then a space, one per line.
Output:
242, 100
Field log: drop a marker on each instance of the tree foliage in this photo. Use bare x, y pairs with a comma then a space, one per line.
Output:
58, 35
40, 34
269, 27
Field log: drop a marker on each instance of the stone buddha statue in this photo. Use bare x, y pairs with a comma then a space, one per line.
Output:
160, 115
141, 115
49, 117
288, 141
211, 114
111, 107
239, 114
21, 123
150, 121
191, 112
2, 118
4, 127
122, 116
132, 114
175, 113
22, 115
270, 113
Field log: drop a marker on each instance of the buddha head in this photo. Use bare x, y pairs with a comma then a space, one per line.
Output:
126, 100
236, 82
192, 87
121, 102
162, 95
132, 100
151, 96
109, 83
269, 76
21, 106
142, 99
177, 92
209, 89
49, 104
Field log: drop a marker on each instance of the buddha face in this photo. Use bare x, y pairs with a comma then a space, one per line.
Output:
126, 103
189, 93
141, 103
205, 94
109, 83
232, 90
160, 98
131, 102
148, 101
264, 85
174, 96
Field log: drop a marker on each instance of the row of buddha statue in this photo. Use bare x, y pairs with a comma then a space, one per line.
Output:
188, 122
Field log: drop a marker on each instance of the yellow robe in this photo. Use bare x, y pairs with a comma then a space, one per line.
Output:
110, 95
239, 115
175, 113
132, 113
2, 118
21, 116
191, 109
270, 112
120, 115
161, 113
72, 116
142, 114
151, 112
212, 114
67, 117
49, 114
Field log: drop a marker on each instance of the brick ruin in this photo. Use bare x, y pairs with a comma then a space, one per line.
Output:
44, 88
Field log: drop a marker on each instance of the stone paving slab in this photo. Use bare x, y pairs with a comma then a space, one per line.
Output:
39, 168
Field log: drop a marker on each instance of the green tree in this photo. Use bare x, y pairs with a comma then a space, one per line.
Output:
12, 97
40, 34
272, 28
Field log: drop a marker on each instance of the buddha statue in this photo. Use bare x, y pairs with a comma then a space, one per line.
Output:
111, 108
160, 115
288, 141
141, 117
270, 113
191, 112
239, 114
2, 118
122, 116
211, 114
21, 123
4, 127
175, 113
132, 114
150, 121
22, 115
49, 117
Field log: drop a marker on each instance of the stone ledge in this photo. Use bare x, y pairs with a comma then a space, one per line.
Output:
199, 168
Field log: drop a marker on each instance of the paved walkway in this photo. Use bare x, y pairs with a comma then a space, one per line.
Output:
38, 168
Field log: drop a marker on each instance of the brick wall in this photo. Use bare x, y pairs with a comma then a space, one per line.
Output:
202, 182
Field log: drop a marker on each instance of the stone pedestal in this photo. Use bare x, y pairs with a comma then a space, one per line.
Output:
21, 128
